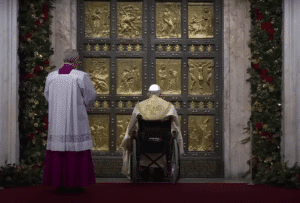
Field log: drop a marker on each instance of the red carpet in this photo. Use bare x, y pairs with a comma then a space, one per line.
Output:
155, 192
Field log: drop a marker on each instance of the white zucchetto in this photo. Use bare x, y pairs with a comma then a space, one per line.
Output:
154, 88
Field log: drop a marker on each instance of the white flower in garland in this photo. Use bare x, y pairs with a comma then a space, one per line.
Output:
269, 51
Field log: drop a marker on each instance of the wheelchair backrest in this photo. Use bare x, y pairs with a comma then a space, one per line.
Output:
154, 136
154, 129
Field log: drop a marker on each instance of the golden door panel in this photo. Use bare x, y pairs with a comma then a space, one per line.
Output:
200, 130
201, 76
99, 72
122, 124
100, 131
168, 20
97, 19
168, 76
130, 19
200, 20
129, 76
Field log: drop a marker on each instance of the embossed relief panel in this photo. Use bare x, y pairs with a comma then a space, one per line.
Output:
122, 124
100, 131
129, 76
168, 20
99, 72
128, 45
201, 130
130, 19
201, 76
97, 19
200, 20
168, 76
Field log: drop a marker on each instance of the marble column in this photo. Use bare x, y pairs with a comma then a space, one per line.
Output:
9, 83
64, 30
237, 23
290, 141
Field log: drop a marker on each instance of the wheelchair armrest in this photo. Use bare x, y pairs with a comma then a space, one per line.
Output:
134, 134
174, 134
139, 117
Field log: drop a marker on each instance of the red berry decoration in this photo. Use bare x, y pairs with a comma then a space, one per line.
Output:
28, 75
46, 63
256, 66
31, 136
266, 26
29, 35
37, 69
271, 37
270, 31
37, 22
269, 79
264, 71
258, 126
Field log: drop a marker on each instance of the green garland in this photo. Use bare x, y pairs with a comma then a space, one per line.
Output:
34, 52
265, 79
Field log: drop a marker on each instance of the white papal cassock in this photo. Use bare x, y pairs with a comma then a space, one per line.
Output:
69, 128
153, 108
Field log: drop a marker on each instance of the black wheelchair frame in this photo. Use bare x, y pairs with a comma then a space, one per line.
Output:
155, 137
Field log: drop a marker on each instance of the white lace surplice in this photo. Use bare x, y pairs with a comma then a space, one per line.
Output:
67, 96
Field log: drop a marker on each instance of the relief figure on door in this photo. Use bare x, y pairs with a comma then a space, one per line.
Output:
129, 81
97, 19
99, 126
200, 20
168, 76
98, 70
201, 76
200, 133
129, 19
168, 20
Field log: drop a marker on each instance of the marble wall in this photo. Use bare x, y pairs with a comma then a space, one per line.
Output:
9, 83
64, 30
237, 23
290, 142
236, 89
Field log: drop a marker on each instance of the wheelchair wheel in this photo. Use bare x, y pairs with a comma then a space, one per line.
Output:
134, 163
174, 165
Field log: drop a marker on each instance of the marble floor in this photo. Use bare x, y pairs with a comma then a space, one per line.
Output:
182, 180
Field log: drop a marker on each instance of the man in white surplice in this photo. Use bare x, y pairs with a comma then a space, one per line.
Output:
68, 162
68, 92
143, 108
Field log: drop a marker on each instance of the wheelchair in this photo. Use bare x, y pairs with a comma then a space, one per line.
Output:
155, 137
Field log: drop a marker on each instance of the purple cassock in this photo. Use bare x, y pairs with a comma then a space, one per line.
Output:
68, 160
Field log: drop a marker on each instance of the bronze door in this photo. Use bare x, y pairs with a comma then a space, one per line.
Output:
128, 45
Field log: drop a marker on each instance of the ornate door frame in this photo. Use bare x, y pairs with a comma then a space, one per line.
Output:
155, 51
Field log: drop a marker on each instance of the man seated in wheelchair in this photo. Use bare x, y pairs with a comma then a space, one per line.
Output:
152, 109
